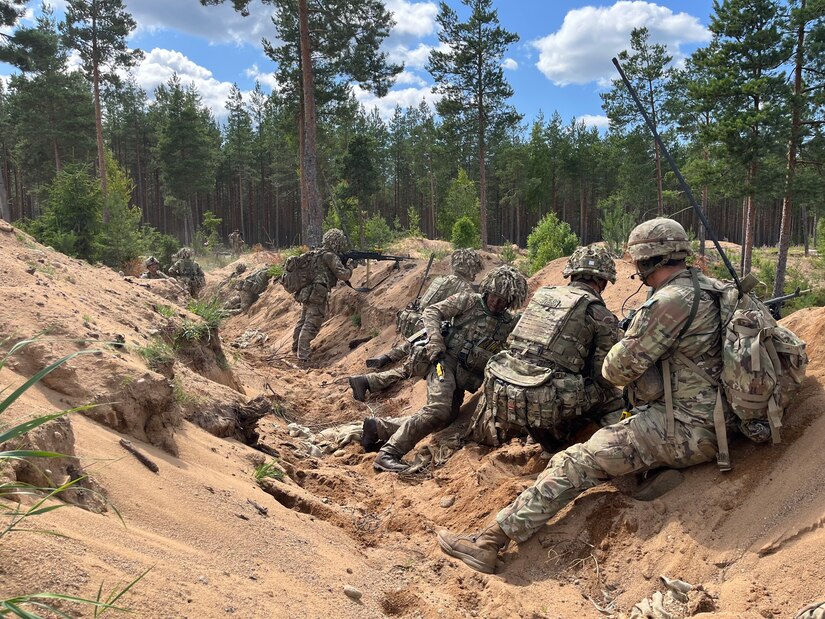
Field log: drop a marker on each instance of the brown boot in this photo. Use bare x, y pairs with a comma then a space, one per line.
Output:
359, 385
477, 551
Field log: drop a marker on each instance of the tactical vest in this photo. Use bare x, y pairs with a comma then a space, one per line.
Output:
549, 332
474, 337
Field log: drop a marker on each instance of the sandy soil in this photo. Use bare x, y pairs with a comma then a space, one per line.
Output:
752, 537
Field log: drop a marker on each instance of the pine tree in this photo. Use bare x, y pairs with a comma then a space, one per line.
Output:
469, 75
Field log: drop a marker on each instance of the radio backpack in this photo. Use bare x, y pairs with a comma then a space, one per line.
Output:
763, 366
299, 271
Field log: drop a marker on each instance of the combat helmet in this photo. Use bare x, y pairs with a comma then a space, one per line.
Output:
150, 261
334, 240
659, 238
466, 262
591, 260
508, 283
185, 253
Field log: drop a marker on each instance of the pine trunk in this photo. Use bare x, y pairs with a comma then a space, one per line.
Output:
315, 215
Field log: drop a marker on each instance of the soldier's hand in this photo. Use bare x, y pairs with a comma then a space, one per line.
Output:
434, 350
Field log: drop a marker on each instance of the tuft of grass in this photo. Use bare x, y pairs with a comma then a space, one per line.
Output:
167, 311
441, 253
269, 470
295, 250
156, 353
355, 319
275, 271
192, 331
86, 318
210, 310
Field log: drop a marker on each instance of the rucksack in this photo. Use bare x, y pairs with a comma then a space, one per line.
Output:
299, 271
763, 366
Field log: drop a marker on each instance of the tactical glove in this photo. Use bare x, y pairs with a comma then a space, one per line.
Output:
434, 350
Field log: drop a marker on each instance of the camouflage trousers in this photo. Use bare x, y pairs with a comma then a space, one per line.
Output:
387, 426
812, 611
309, 324
378, 381
633, 445
444, 398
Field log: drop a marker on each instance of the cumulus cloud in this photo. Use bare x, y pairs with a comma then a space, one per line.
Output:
159, 65
405, 97
218, 24
406, 77
591, 120
412, 19
266, 79
510, 64
580, 51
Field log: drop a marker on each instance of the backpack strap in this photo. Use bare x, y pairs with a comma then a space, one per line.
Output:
667, 383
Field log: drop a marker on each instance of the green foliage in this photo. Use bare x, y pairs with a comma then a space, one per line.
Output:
465, 234
269, 470
377, 233
616, 222
461, 201
508, 254
191, 331
355, 319
72, 218
550, 239
209, 231
820, 237
275, 271
210, 310
121, 239
414, 227
156, 353
167, 311
161, 246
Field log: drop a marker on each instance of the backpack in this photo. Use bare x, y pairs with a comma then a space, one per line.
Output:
763, 366
299, 271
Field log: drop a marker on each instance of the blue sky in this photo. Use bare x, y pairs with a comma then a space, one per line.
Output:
561, 62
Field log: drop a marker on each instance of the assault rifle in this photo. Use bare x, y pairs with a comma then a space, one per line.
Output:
371, 255
775, 304
416, 303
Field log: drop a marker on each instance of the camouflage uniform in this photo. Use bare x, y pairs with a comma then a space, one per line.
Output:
462, 360
643, 441
465, 265
236, 243
249, 289
315, 297
812, 611
549, 380
188, 272
150, 274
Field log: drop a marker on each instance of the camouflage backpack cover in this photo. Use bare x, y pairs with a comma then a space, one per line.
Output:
537, 382
408, 319
299, 271
763, 366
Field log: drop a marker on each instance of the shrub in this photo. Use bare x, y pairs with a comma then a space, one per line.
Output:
461, 201
210, 310
465, 234
508, 254
550, 239
377, 233
616, 223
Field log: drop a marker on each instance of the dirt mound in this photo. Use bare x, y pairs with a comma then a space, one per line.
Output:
220, 544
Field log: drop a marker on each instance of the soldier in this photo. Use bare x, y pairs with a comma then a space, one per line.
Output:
314, 298
553, 360
479, 323
465, 264
152, 269
678, 325
236, 243
252, 286
188, 272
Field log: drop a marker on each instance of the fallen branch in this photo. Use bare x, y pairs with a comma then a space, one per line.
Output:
140, 456
263, 511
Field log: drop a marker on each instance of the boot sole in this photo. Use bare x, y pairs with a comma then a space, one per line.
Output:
465, 558
384, 469
660, 485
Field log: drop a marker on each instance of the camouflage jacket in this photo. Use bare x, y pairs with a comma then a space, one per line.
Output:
472, 323
155, 275
442, 287
187, 269
330, 270
653, 335
256, 282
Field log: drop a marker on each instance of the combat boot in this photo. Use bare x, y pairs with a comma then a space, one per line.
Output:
477, 551
369, 435
389, 462
359, 385
657, 484
376, 363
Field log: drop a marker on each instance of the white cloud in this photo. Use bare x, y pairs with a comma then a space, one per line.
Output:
412, 19
510, 64
159, 65
405, 77
218, 24
266, 79
405, 97
415, 58
591, 120
580, 51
